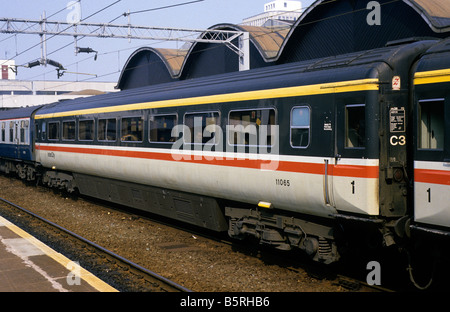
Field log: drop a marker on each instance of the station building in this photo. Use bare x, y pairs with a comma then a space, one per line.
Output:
276, 13
22, 93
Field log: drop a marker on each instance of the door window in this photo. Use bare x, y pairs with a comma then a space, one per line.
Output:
300, 126
355, 126
431, 124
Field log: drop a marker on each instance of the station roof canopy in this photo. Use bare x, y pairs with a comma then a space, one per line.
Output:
327, 28
436, 13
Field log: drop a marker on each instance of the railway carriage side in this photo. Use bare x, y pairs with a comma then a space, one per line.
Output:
17, 142
432, 141
274, 148
283, 154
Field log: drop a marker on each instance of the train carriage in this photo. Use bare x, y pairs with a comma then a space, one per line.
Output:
349, 149
431, 148
303, 143
17, 142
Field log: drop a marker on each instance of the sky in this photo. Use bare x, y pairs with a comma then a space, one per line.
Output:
112, 53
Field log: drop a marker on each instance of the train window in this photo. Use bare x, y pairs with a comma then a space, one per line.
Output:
355, 126
86, 130
24, 124
161, 128
22, 134
68, 131
132, 129
300, 126
107, 129
3, 132
53, 130
44, 130
11, 132
197, 123
431, 124
244, 127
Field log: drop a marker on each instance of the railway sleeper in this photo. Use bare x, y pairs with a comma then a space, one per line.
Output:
283, 232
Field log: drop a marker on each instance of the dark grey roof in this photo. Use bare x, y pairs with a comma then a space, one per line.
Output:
326, 28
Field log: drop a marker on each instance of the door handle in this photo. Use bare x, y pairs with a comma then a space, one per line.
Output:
337, 157
325, 186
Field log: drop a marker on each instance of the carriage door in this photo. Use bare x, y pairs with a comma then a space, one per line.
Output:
329, 122
432, 162
329, 151
352, 191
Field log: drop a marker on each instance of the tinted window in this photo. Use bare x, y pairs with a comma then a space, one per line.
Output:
53, 130
300, 126
107, 129
132, 129
161, 128
69, 130
197, 123
431, 124
355, 126
86, 130
244, 127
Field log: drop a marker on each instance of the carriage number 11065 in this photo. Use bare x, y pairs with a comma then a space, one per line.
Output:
282, 182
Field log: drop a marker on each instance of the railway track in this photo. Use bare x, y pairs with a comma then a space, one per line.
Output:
173, 249
121, 273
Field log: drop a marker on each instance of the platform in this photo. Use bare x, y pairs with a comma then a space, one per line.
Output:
28, 265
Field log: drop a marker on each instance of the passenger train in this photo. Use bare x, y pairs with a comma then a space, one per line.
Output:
306, 155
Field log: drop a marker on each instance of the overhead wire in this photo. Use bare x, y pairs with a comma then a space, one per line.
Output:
52, 36
32, 25
117, 51
294, 26
213, 47
121, 15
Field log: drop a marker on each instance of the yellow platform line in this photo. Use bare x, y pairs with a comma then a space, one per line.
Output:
61, 259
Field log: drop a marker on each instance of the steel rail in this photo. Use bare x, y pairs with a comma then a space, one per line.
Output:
172, 286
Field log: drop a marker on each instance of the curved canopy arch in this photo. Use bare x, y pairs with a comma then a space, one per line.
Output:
148, 66
326, 28
329, 28
205, 59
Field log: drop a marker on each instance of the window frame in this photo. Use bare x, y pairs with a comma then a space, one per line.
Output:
419, 128
201, 113
12, 126
74, 131
141, 118
58, 128
3, 134
150, 117
106, 130
300, 127
92, 132
245, 110
347, 127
